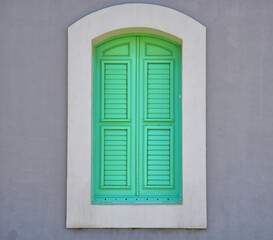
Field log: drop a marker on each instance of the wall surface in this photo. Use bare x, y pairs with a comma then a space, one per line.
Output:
33, 112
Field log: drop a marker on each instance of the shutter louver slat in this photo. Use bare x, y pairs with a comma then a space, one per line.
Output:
158, 91
158, 165
115, 159
115, 91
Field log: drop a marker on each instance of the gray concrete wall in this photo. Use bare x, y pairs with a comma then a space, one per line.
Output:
33, 102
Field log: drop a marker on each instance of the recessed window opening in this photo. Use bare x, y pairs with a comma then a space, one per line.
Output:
137, 133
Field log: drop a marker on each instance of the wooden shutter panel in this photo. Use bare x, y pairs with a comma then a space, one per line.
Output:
161, 124
113, 146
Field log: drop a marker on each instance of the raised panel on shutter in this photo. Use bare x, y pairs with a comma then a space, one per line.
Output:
117, 50
156, 50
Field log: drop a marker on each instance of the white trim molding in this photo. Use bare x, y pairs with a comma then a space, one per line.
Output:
82, 35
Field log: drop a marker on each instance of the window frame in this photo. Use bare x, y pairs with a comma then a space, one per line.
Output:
138, 67
82, 35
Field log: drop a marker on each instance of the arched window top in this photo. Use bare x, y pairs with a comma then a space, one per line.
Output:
132, 17
83, 35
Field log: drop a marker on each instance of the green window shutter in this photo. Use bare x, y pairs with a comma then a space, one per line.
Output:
137, 121
161, 119
113, 120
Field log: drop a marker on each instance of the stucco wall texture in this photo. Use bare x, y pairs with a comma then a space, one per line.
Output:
33, 113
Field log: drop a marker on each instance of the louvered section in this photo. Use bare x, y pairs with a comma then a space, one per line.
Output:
115, 91
158, 157
159, 91
115, 157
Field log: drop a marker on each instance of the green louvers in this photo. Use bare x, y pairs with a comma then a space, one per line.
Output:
137, 155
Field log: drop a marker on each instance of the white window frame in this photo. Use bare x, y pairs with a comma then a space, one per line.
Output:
82, 36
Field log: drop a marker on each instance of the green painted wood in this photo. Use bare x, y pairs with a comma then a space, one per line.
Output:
116, 200
115, 163
115, 168
113, 120
114, 90
155, 158
159, 89
137, 155
120, 50
155, 50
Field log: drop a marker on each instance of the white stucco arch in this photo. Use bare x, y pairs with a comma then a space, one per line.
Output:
82, 35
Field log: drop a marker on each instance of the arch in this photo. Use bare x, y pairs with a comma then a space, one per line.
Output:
82, 36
